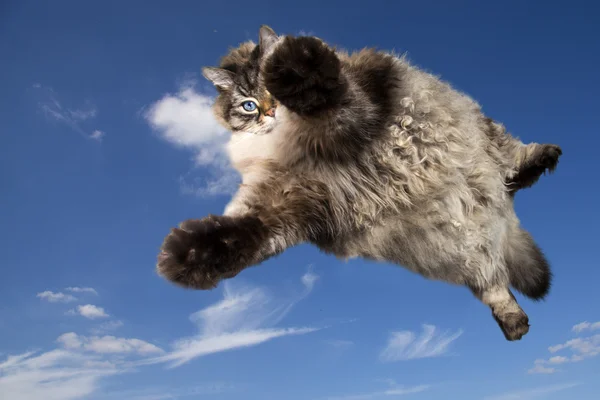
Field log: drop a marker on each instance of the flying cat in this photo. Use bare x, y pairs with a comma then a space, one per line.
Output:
365, 155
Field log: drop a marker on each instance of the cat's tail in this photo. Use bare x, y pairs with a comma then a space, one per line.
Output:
529, 270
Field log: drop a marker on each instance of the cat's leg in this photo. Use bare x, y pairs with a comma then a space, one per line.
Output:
525, 162
511, 318
269, 219
488, 275
531, 161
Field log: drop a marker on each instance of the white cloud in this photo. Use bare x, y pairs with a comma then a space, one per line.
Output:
586, 326
82, 290
97, 135
106, 327
243, 318
185, 119
71, 372
58, 297
72, 117
584, 347
107, 344
309, 279
394, 390
76, 367
89, 311
535, 393
574, 350
54, 375
541, 368
558, 360
405, 345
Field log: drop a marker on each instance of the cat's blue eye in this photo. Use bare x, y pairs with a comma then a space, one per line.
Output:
249, 106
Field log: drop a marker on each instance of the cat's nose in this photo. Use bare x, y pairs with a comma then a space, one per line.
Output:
270, 112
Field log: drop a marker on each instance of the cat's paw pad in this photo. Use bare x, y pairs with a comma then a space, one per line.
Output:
303, 73
513, 325
202, 252
548, 158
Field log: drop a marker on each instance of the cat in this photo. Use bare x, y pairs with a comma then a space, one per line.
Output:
365, 155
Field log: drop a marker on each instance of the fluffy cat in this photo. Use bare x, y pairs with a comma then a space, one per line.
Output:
365, 155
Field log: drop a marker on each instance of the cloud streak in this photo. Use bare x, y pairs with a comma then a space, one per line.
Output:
573, 350
586, 326
406, 345
394, 390
55, 375
72, 371
58, 297
74, 118
245, 317
107, 344
82, 290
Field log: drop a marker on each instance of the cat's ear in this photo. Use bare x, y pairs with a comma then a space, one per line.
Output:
221, 78
266, 38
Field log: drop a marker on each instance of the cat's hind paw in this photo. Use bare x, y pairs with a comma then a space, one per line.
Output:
543, 159
549, 156
514, 325
202, 252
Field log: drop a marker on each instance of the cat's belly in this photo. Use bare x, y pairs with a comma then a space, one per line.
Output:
436, 246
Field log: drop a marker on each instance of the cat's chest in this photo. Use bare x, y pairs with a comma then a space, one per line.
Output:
246, 150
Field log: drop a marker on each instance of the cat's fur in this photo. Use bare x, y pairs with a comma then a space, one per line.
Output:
365, 156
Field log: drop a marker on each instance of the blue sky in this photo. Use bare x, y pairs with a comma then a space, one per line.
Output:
106, 143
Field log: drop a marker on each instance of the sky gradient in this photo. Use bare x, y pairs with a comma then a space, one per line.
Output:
107, 141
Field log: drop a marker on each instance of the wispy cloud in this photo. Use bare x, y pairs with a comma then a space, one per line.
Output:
82, 290
393, 390
107, 326
585, 347
309, 279
185, 119
534, 393
75, 368
245, 317
541, 368
57, 297
89, 311
97, 135
573, 350
406, 345
71, 371
586, 326
55, 375
75, 118
107, 344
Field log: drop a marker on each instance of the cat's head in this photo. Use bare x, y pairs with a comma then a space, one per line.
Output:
243, 103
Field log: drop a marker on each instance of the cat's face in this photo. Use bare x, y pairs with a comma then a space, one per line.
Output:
243, 103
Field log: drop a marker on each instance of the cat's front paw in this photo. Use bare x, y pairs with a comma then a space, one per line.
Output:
304, 74
202, 252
